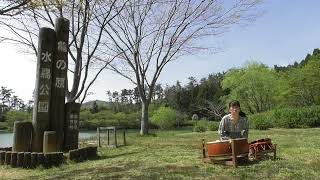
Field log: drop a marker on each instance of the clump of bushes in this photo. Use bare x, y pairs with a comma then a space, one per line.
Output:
302, 117
261, 121
164, 118
200, 126
204, 125
109, 118
213, 126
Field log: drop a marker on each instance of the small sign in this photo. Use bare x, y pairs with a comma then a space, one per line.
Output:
61, 64
44, 90
62, 46
45, 73
46, 56
59, 83
74, 118
43, 106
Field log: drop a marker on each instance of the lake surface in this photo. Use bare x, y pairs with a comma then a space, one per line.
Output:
6, 138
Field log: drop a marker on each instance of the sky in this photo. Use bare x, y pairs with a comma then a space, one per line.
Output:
286, 32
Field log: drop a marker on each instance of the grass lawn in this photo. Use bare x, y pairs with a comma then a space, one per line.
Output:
176, 155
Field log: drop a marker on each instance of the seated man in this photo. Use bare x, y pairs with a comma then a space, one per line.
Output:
234, 125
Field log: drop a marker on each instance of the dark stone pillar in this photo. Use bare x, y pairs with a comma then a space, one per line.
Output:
72, 126
60, 67
22, 132
40, 120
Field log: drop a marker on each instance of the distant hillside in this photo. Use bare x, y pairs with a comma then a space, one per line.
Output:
89, 104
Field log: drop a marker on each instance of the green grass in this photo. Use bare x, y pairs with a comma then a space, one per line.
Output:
176, 155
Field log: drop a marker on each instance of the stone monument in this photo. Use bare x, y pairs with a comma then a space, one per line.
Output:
51, 117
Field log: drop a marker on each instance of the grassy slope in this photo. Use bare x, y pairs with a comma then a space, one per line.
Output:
176, 155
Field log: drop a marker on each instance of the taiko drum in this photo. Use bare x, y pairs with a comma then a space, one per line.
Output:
217, 148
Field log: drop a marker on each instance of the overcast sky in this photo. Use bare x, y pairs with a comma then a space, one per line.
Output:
287, 31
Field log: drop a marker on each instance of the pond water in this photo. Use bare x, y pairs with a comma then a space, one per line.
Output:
6, 138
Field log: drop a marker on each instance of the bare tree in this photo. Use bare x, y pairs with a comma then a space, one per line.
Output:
13, 7
214, 109
148, 34
87, 22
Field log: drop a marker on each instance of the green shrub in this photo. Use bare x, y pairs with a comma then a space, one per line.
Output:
297, 117
3, 125
12, 116
300, 117
261, 121
213, 126
201, 126
164, 118
109, 118
182, 119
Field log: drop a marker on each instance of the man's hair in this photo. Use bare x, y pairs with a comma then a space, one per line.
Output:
237, 103
234, 103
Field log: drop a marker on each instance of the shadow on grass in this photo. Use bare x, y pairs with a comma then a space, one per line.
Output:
127, 170
118, 155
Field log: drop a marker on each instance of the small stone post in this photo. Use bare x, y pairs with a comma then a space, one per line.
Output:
2, 157
20, 157
22, 132
8, 158
14, 159
72, 126
49, 141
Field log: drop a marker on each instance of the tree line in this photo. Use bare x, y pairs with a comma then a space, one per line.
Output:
260, 89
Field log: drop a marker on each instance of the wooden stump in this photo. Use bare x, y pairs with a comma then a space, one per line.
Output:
22, 132
83, 154
53, 159
60, 158
8, 158
71, 139
14, 159
27, 160
74, 155
20, 157
49, 142
92, 152
41, 159
2, 157
47, 160
34, 160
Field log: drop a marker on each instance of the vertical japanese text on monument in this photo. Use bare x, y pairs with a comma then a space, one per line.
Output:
44, 90
43, 106
74, 118
46, 56
62, 46
59, 83
61, 64
45, 73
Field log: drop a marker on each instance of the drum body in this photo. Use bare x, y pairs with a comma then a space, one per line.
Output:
260, 145
242, 145
218, 148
